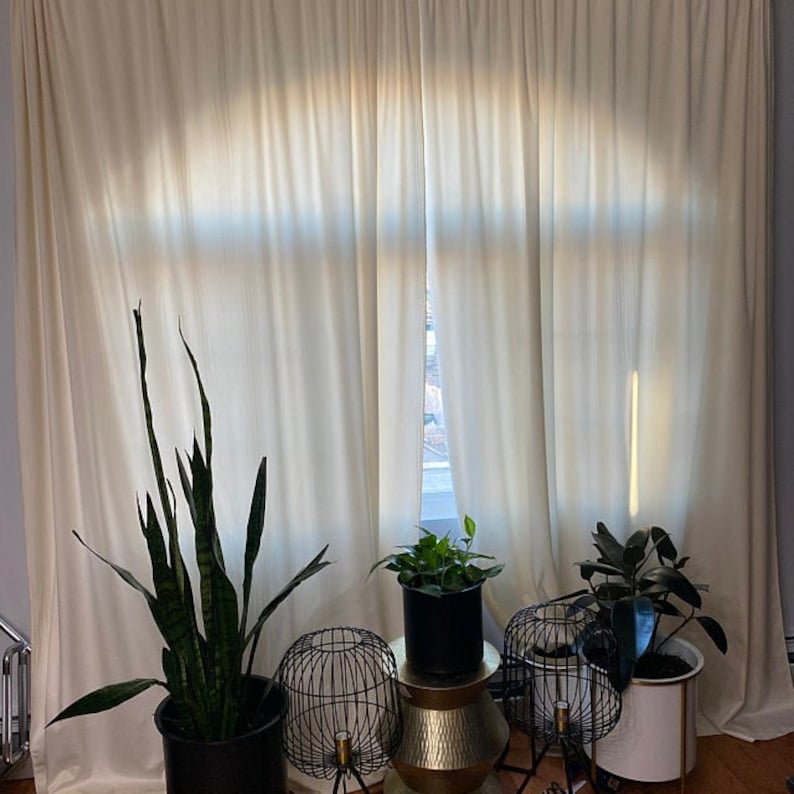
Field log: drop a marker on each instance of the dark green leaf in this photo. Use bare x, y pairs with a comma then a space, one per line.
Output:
611, 550
664, 607
154, 448
639, 540
665, 548
715, 631
253, 538
588, 568
632, 557
584, 600
122, 572
612, 591
205, 406
675, 582
633, 623
312, 567
107, 697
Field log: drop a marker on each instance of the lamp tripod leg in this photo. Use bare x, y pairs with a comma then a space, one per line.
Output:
359, 780
351, 770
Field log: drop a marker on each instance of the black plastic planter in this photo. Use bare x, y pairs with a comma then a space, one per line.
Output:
249, 764
443, 634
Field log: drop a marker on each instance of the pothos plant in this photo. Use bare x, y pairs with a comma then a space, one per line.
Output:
636, 587
436, 565
205, 672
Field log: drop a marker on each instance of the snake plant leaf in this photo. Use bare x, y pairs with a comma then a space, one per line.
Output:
675, 582
163, 486
218, 595
253, 538
715, 631
106, 697
122, 572
154, 448
173, 608
205, 405
155, 544
171, 582
312, 567
194, 714
169, 620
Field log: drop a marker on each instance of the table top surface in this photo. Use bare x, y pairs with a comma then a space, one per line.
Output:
488, 666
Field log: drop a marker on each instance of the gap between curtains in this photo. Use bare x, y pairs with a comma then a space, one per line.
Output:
589, 191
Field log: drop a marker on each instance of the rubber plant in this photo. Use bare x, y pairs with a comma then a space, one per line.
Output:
635, 586
205, 672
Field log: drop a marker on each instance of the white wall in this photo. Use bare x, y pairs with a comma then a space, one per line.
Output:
784, 301
13, 576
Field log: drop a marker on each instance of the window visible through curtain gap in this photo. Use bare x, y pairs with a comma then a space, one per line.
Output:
438, 497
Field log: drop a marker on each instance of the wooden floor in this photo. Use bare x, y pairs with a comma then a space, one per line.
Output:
724, 766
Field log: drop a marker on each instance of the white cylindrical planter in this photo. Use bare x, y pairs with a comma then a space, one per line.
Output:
656, 722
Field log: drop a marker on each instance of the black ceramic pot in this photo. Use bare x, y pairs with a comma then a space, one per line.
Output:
443, 634
249, 764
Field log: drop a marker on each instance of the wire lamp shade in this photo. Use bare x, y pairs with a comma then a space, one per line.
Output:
342, 714
559, 663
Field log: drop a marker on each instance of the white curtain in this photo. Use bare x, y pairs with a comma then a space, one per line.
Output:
598, 209
587, 182
221, 163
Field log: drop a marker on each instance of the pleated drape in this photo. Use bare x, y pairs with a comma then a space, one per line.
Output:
584, 183
598, 229
220, 163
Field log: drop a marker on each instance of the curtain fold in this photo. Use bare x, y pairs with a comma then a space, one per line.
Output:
598, 228
585, 185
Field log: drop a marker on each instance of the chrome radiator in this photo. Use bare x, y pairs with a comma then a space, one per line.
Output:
15, 715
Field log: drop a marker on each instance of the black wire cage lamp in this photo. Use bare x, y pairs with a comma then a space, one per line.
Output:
341, 715
558, 667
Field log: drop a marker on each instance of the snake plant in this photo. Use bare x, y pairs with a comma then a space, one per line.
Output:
205, 671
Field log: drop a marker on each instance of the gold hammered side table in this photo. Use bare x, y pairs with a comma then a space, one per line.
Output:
453, 732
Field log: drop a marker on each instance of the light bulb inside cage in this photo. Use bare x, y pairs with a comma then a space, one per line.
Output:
559, 663
342, 708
